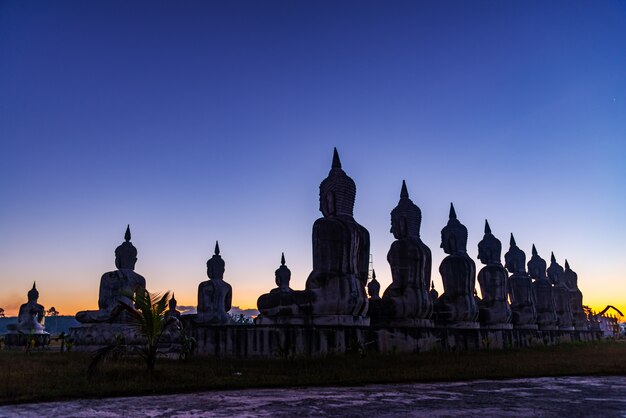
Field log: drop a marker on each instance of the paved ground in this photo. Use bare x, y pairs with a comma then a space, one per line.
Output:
571, 396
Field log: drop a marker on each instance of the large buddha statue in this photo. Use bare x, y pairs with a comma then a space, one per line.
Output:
561, 295
214, 295
115, 286
406, 300
494, 309
520, 288
543, 292
282, 304
456, 307
340, 254
576, 298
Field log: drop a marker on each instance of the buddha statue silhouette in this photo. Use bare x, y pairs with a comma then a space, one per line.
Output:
561, 293
282, 304
456, 307
494, 309
406, 300
31, 316
543, 292
576, 298
340, 254
214, 295
520, 288
115, 286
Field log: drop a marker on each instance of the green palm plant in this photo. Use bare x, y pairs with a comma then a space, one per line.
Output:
149, 320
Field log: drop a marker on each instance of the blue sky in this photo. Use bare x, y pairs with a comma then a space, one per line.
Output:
204, 121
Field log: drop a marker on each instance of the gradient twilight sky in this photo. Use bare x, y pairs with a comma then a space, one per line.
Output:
204, 121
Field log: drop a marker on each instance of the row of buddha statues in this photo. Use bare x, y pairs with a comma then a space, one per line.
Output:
335, 291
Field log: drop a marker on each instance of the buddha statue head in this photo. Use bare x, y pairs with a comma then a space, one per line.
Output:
215, 267
283, 274
337, 191
515, 259
490, 248
454, 235
537, 266
373, 287
554, 271
406, 217
33, 294
126, 254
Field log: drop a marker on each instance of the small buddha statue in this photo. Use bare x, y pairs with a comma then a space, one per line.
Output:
410, 261
576, 298
281, 301
373, 288
456, 306
375, 303
115, 286
561, 295
433, 294
31, 317
341, 249
172, 312
520, 288
493, 307
173, 325
214, 295
543, 292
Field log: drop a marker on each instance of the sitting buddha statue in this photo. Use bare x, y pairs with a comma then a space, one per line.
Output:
456, 307
282, 304
172, 312
543, 292
576, 298
406, 300
115, 286
373, 288
433, 294
341, 250
214, 295
520, 288
561, 295
494, 309
375, 303
31, 316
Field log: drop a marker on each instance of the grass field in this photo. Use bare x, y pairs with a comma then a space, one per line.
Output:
44, 376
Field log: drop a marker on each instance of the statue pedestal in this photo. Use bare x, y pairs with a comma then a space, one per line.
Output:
549, 328
90, 337
525, 326
496, 326
461, 325
406, 322
18, 339
334, 320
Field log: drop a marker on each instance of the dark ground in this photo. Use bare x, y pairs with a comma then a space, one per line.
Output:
548, 396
